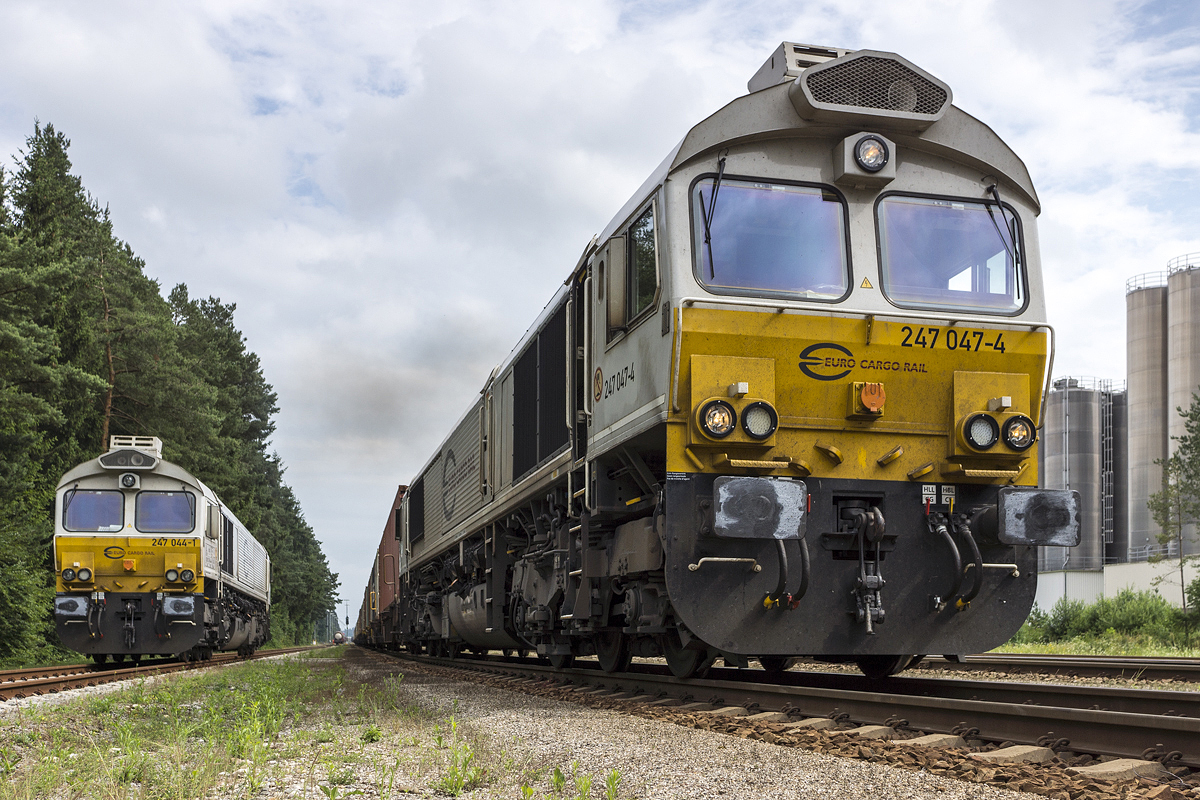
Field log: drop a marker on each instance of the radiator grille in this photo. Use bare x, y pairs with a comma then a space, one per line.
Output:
877, 83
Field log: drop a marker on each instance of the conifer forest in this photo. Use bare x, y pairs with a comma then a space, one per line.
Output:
90, 347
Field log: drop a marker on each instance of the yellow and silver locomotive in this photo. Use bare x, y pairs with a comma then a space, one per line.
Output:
786, 403
150, 562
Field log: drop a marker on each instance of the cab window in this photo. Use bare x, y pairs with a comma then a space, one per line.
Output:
165, 512
950, 253
93, 510
643, 264
757, 237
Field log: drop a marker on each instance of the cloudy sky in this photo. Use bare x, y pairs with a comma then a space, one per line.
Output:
390, 192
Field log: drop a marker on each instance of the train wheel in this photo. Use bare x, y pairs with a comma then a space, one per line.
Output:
507, 652
118, 658
136, 658
776, 665
877, 667
684, 663
563, 661
99, 659
612, 650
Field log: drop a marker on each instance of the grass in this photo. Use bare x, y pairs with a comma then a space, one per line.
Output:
1104, 645
297, 727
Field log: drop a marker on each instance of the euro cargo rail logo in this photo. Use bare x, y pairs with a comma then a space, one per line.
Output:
114, 552
817, 362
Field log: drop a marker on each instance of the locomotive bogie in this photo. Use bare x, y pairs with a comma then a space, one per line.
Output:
785, 404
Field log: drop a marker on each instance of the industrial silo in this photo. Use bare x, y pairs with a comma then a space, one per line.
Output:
1183, 352
1146, 401
1073, 459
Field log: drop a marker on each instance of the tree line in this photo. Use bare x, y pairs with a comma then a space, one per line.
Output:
89, 347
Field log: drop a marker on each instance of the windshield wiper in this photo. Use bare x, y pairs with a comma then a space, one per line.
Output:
1012, 233
708, 215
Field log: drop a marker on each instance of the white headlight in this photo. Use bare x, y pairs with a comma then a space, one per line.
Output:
871, 153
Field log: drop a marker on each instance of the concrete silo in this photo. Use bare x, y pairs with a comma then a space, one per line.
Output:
1146, 401
1072, 449
1183, 353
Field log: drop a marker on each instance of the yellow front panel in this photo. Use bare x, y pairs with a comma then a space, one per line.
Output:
818, 359
149, 558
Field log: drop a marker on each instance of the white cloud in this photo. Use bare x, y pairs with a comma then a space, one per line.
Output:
390, 192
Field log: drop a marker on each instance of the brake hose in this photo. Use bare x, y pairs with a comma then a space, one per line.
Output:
977, 558
804, 571
940, 529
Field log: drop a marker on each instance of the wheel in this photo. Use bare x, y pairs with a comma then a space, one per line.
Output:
563, 661
118, 658
877, 667
776, 665
612, 650
135, 658
507, 652
99, 659
683, 662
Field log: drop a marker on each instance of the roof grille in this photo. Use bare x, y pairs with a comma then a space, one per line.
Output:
876, 83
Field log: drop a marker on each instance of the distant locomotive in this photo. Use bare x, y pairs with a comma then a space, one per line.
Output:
785, 404
150, 562
339, 638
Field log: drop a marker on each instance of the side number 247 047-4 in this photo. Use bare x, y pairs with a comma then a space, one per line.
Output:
952, 339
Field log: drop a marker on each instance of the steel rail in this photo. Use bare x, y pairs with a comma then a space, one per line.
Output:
1123, 734
1138, 667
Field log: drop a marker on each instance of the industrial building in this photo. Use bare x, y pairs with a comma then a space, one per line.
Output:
1102, 439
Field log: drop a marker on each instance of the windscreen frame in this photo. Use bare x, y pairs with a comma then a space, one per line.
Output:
137, 521
696, 236
1020, 266
68, 498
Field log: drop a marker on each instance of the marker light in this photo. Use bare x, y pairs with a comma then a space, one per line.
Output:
981, 431
187, 576
68, 574
172, 575
1019, 433
871, 153
759, 420
718, 419
85, 574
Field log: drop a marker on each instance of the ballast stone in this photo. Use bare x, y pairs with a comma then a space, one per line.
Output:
1017, 754
1122, 769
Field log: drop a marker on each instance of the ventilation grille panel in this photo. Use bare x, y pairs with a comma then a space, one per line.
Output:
876, 83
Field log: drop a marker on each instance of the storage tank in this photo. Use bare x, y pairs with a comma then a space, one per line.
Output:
1146, 399
1071, 448
1183, 353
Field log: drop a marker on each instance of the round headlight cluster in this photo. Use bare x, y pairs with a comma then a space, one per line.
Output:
871, 153
759, 420
1019, 433
68, 574
172, 575
981, 432
718, 419
187, 576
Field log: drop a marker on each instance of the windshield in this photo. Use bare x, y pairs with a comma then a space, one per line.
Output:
88, 510
949, 254
770, 238
165, 512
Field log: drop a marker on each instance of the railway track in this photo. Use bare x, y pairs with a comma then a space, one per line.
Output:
1136, 667
1096, 720
21, 683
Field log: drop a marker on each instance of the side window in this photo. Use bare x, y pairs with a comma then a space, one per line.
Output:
643, 264
628, 269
